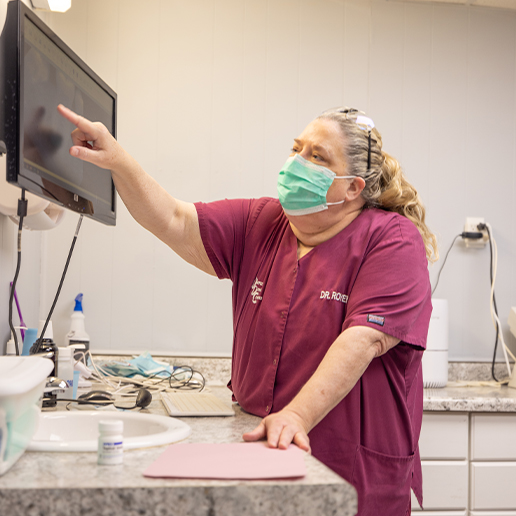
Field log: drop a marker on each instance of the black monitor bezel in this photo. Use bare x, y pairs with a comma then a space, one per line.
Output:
11, 91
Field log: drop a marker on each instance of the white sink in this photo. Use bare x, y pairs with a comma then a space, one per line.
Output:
78, 430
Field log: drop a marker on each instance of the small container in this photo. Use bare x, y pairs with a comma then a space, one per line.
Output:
111, 442
28, 340
65, 366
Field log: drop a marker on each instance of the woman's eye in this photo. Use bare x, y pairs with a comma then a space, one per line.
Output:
294, 150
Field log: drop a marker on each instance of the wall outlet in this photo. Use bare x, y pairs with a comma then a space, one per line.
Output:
471, 226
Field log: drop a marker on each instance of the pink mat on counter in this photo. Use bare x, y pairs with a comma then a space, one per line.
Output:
236, 461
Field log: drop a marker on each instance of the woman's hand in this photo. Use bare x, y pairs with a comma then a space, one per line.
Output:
92, 141
280, 430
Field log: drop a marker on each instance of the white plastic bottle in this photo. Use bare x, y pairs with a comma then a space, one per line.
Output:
65, 368
77, 335
111, 442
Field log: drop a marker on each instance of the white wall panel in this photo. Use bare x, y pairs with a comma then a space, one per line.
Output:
227, 173
415, 112
357, 54
282, 88
254, 95
386, 73
448, 107
211, 94
321, 58
133, 257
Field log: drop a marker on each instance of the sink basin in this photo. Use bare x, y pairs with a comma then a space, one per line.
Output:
78, 431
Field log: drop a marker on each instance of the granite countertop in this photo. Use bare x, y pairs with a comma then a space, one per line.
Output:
461, 398
470, 389
36, 484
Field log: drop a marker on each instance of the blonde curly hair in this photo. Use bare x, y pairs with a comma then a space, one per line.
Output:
386, 185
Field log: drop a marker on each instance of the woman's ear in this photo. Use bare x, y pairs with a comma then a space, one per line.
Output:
355, 189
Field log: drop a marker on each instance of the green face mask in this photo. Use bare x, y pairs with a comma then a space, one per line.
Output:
303, 185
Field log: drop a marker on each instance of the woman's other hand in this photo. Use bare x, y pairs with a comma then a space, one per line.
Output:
92, 141
280, 430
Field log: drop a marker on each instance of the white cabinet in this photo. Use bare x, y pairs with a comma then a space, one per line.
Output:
443, 446
493, 485
469, 464
445, 484
489, 513
493, 436
493, 463
444, 436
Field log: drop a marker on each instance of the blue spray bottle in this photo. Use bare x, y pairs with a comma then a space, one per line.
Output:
77, 335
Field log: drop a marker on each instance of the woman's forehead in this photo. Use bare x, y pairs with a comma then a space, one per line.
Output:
323, 133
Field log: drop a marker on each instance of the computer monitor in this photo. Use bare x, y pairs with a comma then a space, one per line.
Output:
38, 71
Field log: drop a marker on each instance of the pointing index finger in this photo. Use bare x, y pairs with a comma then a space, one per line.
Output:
80, 122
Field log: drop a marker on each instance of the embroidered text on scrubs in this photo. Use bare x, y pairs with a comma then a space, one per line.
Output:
256, 290
334, 296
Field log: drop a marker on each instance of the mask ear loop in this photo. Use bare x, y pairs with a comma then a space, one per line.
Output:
340, 202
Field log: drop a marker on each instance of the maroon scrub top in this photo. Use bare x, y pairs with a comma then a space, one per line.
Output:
288, 312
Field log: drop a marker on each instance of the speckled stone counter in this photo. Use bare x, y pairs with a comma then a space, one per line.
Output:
70, 484
457, 398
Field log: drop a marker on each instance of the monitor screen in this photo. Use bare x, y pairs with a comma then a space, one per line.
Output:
48, 74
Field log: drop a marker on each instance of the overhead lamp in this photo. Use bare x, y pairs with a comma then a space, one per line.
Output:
59, 6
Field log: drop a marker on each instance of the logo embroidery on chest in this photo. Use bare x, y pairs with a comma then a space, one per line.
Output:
334, 296
256, 290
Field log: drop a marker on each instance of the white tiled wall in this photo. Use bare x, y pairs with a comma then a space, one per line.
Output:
211, 93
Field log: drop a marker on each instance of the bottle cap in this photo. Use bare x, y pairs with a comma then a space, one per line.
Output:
78, 303
111, 426
49, 332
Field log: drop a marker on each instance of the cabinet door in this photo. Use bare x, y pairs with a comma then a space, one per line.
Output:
444, 436
492, 513
493, 437
493, 485
445, 486
444, 513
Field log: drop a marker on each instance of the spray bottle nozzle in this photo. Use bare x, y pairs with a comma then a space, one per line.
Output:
78, 303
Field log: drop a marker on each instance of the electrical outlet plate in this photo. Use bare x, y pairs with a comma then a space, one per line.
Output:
471, 226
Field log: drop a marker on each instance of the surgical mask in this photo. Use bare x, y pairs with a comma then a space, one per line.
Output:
303, 185
143, 365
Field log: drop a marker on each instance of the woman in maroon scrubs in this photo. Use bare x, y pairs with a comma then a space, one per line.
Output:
331, 296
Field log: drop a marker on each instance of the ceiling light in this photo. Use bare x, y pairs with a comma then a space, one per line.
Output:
59, 6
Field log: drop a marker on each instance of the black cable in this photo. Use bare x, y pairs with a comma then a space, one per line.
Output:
40, 340
494, 304
48, 193
445, 258
22, 212
190, 383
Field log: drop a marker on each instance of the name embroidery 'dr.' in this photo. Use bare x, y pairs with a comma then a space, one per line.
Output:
256, 291
334, 296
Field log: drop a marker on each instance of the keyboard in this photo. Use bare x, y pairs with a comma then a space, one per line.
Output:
183, 404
